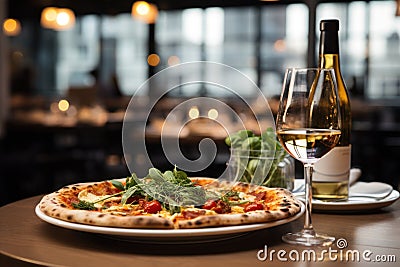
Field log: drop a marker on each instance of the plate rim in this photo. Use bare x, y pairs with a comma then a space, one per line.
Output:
166, 233
355, 206
358, 206
350, 206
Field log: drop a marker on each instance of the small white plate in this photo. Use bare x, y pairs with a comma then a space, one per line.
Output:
169, 235
355, 203
375, 189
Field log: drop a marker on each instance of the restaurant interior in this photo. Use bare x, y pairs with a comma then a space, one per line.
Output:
66, 83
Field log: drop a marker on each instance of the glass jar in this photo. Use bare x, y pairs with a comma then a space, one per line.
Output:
267, 168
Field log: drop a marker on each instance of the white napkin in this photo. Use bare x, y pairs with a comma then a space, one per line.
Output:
355, 173
373, 189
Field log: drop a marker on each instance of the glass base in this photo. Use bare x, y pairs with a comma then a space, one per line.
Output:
308, 238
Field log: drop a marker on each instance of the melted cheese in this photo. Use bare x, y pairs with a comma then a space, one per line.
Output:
84, 195
208, 212
120, 208
237, 209
164, 213
247, 197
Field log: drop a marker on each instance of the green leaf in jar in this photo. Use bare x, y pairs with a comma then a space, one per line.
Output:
252, 165
255, 157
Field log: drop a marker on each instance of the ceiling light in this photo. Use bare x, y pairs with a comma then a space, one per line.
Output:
11, 27
57, 18
144, 11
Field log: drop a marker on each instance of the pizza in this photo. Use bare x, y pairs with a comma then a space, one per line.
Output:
169, 200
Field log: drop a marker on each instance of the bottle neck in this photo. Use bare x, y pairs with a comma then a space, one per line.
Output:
329, 42
328, 61
329, 50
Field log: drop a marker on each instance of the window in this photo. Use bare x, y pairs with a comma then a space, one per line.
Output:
283, 44
384, 51
369, 46
259, 42
116, 47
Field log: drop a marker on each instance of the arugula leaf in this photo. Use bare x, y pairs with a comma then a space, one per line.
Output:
225, 197
172, 188
131, 181
84, 205
172, 208
87, 205
182, 178
169, 176
128, 193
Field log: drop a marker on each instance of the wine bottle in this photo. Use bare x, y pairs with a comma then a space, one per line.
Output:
331, 172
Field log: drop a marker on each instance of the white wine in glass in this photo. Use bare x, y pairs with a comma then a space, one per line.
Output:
308, 126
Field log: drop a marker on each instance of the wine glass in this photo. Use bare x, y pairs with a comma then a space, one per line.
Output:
308, 126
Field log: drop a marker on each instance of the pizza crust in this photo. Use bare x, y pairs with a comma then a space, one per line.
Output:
287, 207
52, 206
283, 205
260, 216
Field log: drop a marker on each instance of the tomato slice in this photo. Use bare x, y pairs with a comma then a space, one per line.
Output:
253, 206
209, 204
152, 206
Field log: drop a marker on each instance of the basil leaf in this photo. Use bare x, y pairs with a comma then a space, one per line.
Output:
118, 185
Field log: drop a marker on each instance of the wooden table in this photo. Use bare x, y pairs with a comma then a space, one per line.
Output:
26, 240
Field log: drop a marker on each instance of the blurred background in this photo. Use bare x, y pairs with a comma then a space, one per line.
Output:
68, 70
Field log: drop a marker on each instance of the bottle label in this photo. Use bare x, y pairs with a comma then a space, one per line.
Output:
334, 166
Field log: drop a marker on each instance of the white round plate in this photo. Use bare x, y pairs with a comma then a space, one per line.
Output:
173, 235
354, 204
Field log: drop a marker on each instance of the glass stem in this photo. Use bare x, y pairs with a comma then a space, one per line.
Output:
308, 172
